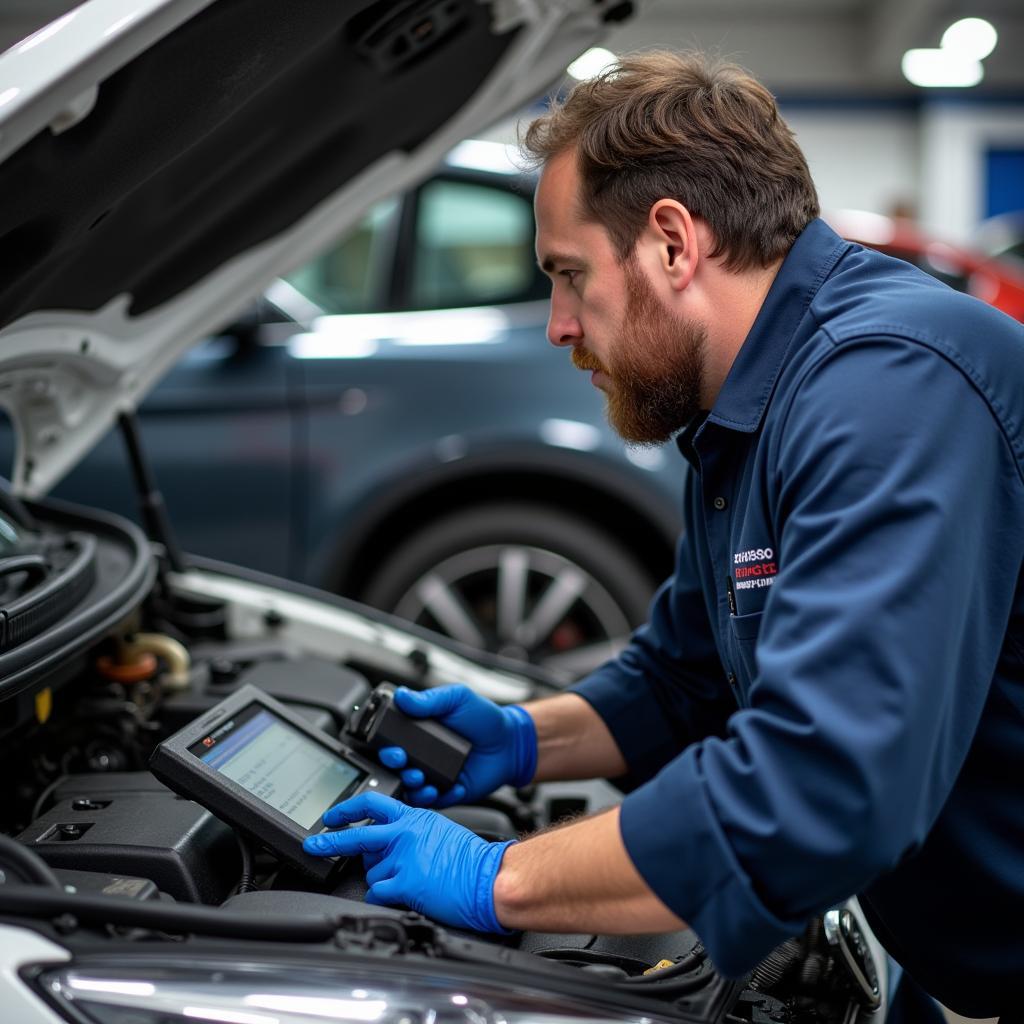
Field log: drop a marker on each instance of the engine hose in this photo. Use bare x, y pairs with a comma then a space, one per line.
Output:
174, 654
682, 967
774, 967
75, 908
40, 805
678, 986
26, 864
811, 971
679, 979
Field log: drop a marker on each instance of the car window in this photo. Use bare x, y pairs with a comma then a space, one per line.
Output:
352, 275
474, 245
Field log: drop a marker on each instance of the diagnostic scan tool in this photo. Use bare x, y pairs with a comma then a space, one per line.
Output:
267, 772
435, 749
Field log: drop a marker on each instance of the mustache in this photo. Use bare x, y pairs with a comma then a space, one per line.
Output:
584, 360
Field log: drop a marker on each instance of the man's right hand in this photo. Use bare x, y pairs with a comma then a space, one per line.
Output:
504, 742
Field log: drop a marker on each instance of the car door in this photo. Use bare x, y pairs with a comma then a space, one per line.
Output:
456, 472
219, 434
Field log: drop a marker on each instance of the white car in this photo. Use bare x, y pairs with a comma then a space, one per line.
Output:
162, 161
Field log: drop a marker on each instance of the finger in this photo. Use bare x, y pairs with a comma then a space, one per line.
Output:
366, 805
371, 860
430, 703
413, 778
392, 757
385, 894
347, 842
455, 795
425, 797
384, 868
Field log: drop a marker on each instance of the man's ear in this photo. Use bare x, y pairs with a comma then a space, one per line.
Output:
671, 228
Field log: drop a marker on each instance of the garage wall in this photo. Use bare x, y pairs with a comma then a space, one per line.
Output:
865, 159
954, 140
927, 159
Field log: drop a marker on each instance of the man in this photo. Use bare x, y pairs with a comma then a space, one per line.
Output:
828, 698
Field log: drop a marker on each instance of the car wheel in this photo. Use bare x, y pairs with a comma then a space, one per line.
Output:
526, 581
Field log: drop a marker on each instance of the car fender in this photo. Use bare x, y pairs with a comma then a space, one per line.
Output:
455, 463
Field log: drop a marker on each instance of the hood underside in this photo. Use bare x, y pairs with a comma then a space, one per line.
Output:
165, 182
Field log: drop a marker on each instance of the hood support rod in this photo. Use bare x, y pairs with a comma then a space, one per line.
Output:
151, 502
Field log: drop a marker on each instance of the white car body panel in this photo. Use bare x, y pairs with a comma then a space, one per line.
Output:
65, 375
19, 948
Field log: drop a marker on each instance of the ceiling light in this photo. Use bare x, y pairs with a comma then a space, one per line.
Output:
970, 38
937, 68
591, 63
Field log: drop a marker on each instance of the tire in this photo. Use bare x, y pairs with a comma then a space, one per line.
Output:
524, 580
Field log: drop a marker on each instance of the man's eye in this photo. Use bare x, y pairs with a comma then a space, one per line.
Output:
570, 275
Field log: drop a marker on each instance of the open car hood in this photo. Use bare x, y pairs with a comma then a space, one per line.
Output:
161, 161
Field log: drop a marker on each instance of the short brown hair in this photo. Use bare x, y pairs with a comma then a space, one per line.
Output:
686, 127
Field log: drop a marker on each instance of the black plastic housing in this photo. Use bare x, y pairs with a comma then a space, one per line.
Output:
178, 845
325, 693
96, 883
435, 749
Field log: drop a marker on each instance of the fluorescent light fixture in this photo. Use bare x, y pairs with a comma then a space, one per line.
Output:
591, 63
970, 38
957, 64
933, 69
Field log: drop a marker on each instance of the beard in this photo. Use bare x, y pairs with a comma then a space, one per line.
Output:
655, 371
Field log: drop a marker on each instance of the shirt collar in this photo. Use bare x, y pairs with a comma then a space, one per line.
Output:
744, 396
685, 438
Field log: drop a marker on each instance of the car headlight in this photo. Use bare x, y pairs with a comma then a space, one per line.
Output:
150, 993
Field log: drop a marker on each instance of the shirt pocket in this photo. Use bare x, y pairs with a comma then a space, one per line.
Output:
745, 630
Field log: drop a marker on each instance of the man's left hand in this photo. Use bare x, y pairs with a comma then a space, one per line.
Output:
417, 858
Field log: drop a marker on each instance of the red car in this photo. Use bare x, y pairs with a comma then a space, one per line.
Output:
995, 281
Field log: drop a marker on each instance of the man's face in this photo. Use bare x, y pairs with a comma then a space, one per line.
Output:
647, 359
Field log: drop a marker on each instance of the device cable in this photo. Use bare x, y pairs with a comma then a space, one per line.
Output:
245, 882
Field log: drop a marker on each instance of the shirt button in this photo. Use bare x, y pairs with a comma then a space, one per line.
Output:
720, 503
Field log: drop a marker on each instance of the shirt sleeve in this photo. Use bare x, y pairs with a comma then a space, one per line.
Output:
667, 688
898, 510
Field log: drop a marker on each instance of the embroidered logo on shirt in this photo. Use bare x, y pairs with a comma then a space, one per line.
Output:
754, 568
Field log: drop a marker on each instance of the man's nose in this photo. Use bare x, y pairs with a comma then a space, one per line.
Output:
563, 328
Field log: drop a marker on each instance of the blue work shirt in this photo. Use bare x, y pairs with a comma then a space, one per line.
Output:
828, 697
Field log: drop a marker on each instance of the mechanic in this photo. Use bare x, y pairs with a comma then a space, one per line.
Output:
828, 697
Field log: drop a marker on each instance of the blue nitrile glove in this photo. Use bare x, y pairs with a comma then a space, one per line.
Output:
504, 744
417, 858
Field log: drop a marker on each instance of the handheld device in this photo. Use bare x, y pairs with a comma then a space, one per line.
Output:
435, 749
267, 772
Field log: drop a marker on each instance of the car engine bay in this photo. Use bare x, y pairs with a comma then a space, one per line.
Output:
102, 859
